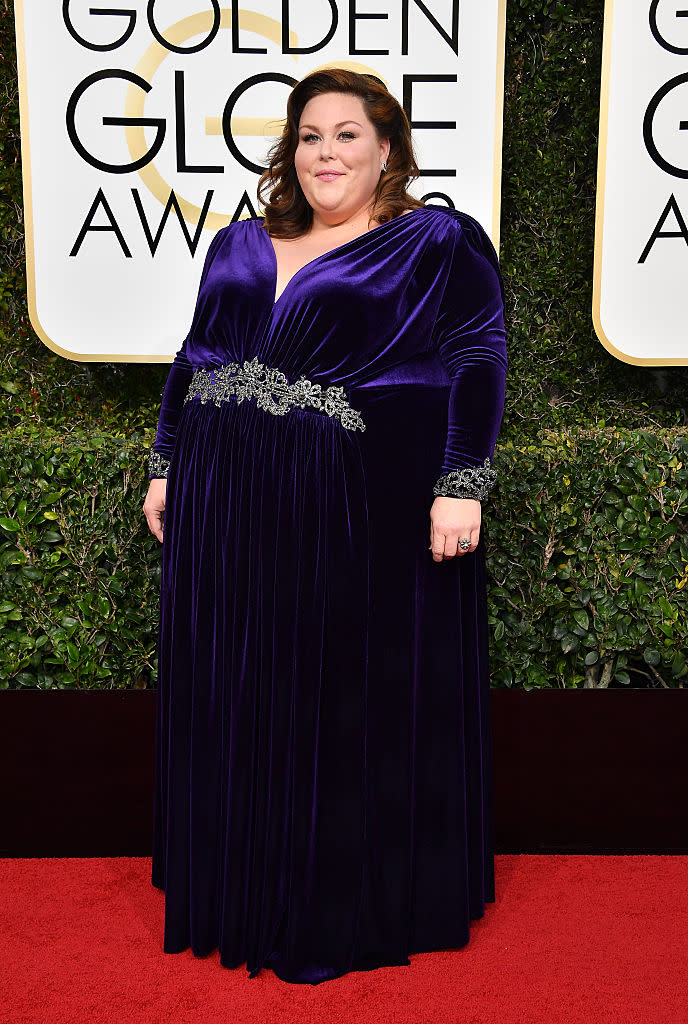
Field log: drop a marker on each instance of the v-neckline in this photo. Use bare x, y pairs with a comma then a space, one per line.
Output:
329, 252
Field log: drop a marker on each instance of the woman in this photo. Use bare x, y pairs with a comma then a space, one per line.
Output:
323, 763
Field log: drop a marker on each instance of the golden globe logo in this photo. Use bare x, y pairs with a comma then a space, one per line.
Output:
145, 128
175, 39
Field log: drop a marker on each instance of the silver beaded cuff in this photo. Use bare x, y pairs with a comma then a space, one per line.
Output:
468, 482
271, 390
157, 464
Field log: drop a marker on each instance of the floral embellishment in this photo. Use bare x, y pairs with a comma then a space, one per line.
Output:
271, 391
467, 482
158, 464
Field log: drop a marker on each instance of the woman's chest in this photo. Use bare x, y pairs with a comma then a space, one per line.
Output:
292, 255
270, 278
350, 308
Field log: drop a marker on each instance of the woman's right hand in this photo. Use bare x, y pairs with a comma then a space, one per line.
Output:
154, 505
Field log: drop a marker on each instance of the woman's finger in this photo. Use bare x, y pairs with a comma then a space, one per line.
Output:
451, 542
448, 546
434, 541
437, 544
474, 536
154, 520
154, 508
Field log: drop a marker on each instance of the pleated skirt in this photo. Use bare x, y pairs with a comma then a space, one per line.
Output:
323, 761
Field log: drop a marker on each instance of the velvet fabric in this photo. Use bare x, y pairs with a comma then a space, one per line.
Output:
323, 794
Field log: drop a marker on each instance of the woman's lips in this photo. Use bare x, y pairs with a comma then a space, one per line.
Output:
328, 175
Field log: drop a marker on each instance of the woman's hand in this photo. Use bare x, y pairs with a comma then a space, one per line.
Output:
154, 505
450, 520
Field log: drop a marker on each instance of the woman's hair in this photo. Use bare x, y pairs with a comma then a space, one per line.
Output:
288, 214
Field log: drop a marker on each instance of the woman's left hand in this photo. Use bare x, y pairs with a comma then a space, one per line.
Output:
450, 520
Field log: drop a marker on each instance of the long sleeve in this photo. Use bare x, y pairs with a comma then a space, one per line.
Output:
470, 338
176, 386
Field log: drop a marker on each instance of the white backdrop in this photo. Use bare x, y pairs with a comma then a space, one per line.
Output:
103, 294
641, 264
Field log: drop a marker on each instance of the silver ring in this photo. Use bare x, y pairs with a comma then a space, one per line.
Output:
464, 543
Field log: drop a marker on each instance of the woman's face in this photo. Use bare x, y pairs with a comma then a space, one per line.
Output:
338, 158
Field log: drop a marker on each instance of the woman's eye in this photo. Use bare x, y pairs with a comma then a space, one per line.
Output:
307, 138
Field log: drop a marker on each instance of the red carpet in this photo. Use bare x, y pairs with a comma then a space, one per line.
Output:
570, 939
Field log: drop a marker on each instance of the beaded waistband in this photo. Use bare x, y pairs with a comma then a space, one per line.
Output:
271, 390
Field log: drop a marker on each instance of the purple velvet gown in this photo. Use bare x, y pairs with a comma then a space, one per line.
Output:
323, 796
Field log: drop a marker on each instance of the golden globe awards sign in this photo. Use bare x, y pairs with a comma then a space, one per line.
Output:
641, 232
146, 125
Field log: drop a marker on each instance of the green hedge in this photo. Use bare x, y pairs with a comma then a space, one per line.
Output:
585, 536
588, 560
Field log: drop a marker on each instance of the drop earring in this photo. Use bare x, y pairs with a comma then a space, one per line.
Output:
384, 166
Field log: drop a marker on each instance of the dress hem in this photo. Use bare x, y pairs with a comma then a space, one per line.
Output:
328, 974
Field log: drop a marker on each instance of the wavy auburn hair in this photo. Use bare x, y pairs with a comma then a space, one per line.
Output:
288, 214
